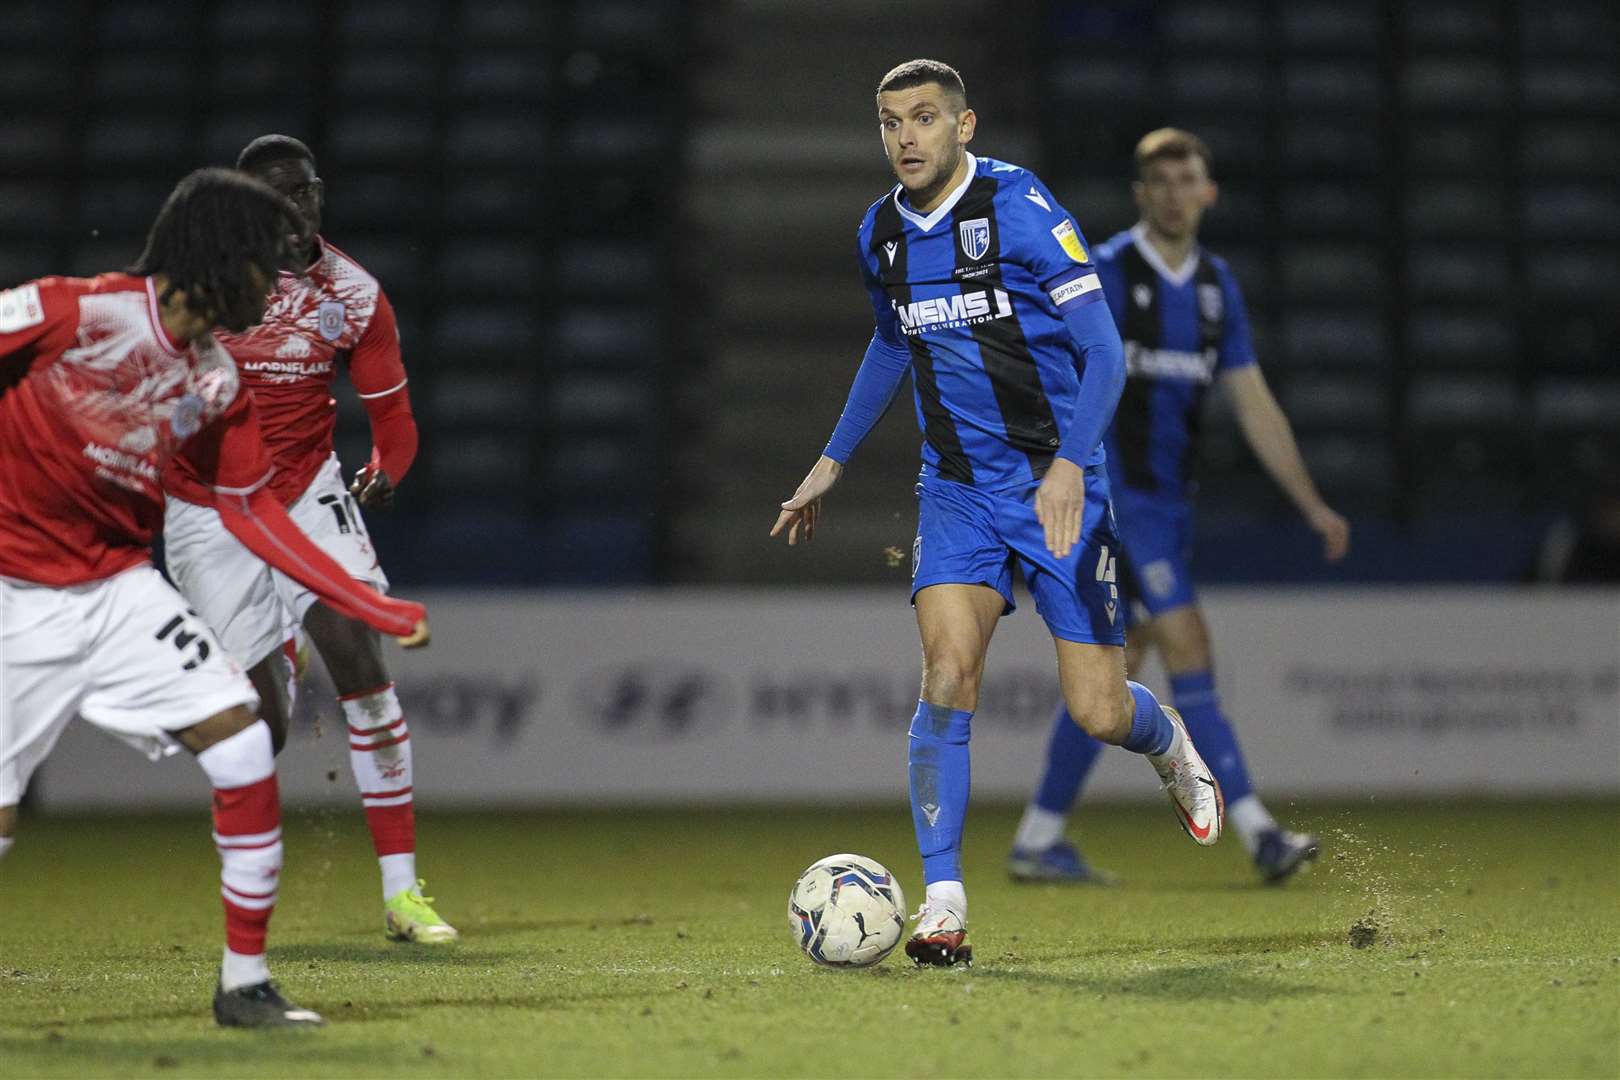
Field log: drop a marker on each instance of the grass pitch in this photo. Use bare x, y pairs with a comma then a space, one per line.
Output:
653, 943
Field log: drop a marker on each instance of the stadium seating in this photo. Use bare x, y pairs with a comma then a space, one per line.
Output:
1419, 201
477, 158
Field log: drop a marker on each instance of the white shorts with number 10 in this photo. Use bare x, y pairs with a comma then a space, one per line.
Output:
252, 607
124, 652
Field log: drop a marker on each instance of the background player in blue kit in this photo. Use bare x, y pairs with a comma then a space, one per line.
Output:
981, 286
1181, 315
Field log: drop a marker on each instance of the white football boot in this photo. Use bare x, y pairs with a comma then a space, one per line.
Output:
1193, 790
940, 938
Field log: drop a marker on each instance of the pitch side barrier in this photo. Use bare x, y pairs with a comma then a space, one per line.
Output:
717, 696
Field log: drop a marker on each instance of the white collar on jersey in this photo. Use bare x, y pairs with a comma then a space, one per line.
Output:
1177, 277
944, 208
155, 314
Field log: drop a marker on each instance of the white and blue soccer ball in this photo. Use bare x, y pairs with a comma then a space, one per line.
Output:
847, 911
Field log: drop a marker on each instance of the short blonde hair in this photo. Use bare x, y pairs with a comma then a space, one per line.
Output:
1171, 144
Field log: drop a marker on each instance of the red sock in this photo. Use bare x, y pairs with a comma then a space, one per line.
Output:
247, 831
380, 754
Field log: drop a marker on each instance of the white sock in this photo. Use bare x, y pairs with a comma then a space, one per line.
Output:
241, 759
1039, 829
1250, 818
5, 845
242, 969
398, 873
948, 894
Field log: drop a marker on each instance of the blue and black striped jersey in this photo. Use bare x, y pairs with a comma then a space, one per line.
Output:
1181, 328
973, 292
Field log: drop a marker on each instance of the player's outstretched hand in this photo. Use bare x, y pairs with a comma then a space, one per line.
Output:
1060, 505
1334, 531
799, 513
372, 488
417, 638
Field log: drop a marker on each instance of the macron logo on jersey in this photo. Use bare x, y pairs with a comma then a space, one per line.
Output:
949, 312
1034, 196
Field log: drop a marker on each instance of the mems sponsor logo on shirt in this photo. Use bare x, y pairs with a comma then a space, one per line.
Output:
951, 312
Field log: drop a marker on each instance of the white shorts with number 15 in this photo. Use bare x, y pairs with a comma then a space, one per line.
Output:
124, 652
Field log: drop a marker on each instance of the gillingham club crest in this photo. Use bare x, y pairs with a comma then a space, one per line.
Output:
974, 236
329, 319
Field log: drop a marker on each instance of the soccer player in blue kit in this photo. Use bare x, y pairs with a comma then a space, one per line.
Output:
1182, 318
982, 288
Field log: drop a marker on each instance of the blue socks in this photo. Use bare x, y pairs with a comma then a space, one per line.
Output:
1151, 732
939, 787
1200, 707
1070, 755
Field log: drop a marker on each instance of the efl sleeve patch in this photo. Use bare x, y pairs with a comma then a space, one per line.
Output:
1069, 239
1075, 288
20, 308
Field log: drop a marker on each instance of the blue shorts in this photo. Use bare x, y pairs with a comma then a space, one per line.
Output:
970, 537
1156, 568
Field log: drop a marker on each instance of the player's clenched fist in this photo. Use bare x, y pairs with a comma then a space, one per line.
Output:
418, 638
799, 513
372, 488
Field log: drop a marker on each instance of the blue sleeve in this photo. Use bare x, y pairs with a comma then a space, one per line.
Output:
878, 380
1044, 237
1101, 382
1236, 348
885, 322
881, 371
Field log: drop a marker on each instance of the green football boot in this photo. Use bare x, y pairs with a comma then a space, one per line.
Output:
409, 916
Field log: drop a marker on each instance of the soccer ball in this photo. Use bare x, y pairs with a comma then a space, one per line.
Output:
847, 911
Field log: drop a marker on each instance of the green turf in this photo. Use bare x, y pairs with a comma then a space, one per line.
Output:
656, 943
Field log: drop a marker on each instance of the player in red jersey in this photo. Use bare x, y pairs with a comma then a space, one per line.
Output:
104, 382
330, 313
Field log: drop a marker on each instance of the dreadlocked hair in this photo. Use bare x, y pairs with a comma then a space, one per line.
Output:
214, 224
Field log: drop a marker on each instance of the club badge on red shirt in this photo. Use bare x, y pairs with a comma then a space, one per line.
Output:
330, 319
